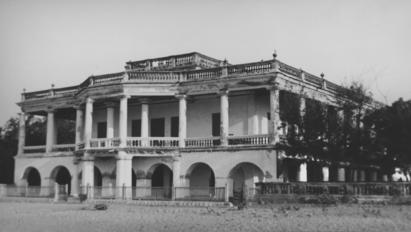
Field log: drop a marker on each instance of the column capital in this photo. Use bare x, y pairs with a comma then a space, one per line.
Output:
181, 96
274, 86
122, 155
89, 100
50, 109
110, 104
144, 100
122, 96
78, 107
223, 91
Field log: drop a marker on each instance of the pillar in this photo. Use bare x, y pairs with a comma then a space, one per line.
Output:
123, 121
341, 174
22, 133
374, 175
354, 175
362, 176
79, 126
88, 127
302, 108
176, 175
50, 131
123, 175
87, 178
224, 114
326, 173
110, 120
144, 121
74, 179
275, 113
182, 129
302, 172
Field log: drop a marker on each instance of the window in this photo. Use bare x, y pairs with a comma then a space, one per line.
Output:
215, 130
157, 127
136, 128
174, 126
102, 130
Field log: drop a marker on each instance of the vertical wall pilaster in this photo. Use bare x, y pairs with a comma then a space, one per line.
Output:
275, 113
110, 121
224, 114
79, 126
87, 178
50, 131
123, 175
182, 130
144, 121
123, 120
22, 133
302, 172
326, 173
88, 127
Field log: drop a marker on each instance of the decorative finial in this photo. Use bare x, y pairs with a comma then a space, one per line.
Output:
225, 61
24, 90
322, 75
275, 54
52, 86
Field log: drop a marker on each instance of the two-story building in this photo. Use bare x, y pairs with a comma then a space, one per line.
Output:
191, 122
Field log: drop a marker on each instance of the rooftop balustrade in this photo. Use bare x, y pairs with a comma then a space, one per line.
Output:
141, 76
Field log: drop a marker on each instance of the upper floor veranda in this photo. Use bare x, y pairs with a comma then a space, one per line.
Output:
183, 101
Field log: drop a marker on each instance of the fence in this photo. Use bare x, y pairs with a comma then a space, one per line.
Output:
200, 193
337, 188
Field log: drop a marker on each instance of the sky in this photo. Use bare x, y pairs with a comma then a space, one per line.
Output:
64, 42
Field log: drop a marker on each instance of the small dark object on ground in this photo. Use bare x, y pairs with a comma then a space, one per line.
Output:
82, 197
100, 207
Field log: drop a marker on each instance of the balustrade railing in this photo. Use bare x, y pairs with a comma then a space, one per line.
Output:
137, 76
63, 147
108, 79
256, 67
204, 74
290, 70
163, 141
335, 188
203, 142
34, 149
104, 143
252, 140
318, 82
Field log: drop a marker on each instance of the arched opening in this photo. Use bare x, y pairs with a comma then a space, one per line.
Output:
98, 178
32, 177
244, 177
314, 172
161, 181
61, 176
201, 175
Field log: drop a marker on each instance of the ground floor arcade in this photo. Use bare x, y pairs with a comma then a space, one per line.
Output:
203, 175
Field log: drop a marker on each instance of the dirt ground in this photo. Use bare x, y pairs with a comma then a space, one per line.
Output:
122, 217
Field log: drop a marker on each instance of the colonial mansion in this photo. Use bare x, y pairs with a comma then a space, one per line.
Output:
175, 127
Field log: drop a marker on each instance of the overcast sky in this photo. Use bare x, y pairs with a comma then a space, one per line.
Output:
63, 42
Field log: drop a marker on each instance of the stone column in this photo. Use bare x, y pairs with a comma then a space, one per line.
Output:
144, 121
374, 175
302, 172
88, 127
176, 175
110, 120
87, 178
354, 175
182, 129
123, 121
79, 126
74, 179
224, 114
123, 175
341, 174
326, 173
362, 176
275, 113
302, 108
22, 133
50, 131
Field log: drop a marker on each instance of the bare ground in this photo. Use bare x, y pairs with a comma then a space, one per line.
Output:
121, 217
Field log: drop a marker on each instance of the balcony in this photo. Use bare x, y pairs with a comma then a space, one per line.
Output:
174, 143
